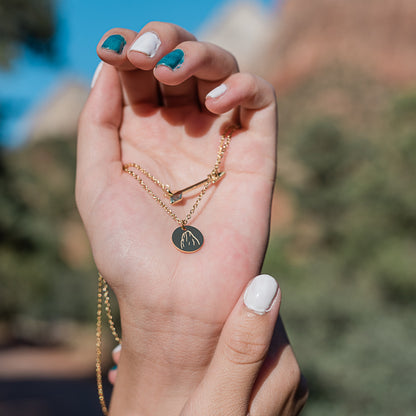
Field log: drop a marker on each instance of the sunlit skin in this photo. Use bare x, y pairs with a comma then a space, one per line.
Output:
174, 305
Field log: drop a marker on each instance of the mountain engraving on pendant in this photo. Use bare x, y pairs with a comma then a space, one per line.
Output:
187, 240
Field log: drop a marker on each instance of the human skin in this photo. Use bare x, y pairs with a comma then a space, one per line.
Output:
253, 368
173, 305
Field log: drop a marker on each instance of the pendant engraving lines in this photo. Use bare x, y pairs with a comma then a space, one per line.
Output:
188, 240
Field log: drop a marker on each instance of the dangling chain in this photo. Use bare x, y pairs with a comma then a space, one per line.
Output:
103, 295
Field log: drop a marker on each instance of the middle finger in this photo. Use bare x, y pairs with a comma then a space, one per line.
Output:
135, 55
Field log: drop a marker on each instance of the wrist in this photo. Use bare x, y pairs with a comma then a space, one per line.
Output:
163, 356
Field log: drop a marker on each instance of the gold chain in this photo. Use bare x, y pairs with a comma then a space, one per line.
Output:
156, 198
103, 297
212, 177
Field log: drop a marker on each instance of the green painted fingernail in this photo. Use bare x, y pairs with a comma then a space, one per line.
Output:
173, 59
114, 43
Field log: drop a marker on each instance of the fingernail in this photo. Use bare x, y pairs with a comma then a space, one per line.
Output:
117, 349
148, 43
114, 367
173, 59
96, 73
114, 43
216, 92
260, 294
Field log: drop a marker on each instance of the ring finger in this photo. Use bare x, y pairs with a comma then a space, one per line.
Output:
191, 70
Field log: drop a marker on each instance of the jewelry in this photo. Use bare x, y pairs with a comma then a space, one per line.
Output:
178, 195
103, 296
186, 238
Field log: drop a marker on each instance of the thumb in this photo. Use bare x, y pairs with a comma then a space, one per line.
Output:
98, 137
241, 350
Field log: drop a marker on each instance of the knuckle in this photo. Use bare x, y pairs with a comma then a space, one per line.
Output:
270, 89
216, 55
294, 377
258, 90
243, 348
234, 61
250, 81
170, 31
206, 53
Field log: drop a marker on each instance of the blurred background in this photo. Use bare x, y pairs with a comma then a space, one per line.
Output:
344, 216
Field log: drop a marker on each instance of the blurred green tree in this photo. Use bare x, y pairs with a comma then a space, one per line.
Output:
26, 23
38, 276
348, 264
41, 268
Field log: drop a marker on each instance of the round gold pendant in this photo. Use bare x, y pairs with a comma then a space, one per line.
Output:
187, 240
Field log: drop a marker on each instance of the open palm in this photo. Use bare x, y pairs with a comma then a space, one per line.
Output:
160, 119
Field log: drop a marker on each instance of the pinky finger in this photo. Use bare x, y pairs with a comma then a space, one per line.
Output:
245, 90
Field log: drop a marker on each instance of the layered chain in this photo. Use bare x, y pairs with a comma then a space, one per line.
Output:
212, 177
103, 297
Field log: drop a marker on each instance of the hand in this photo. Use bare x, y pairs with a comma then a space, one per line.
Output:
241, 376
173, 305
123, 121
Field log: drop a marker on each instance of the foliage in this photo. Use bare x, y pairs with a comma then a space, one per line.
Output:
42, 273
25, 23
350, 283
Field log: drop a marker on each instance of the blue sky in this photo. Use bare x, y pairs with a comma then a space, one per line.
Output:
81, 23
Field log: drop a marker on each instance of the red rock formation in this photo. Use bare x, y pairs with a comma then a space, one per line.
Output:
377, 37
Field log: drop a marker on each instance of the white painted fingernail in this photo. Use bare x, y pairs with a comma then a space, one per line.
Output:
216, 92
96, 73
148, 43
260, 294
117, 349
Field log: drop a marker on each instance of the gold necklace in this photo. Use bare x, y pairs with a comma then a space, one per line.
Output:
186, 238
103, 297
186, 242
